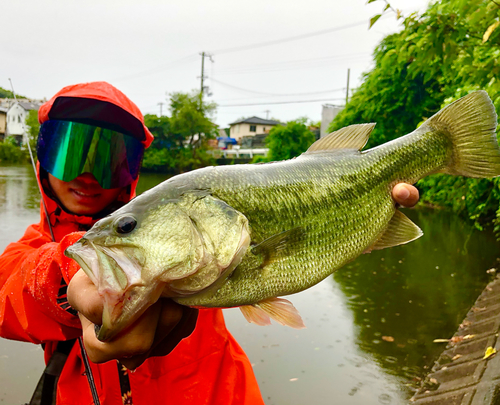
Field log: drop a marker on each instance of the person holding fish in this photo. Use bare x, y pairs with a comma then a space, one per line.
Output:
90, 147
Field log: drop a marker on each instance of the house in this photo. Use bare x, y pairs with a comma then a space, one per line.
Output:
250, 127
328, 113
3, 122
16, 118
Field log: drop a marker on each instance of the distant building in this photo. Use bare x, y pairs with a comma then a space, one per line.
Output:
328, 113
16, 118
250, 127
3, 122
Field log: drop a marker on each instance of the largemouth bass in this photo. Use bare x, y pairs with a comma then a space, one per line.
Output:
244, 235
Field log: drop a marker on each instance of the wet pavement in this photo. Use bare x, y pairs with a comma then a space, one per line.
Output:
462, 375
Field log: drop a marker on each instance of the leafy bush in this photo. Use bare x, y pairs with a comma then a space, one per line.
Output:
10, 152
289, 141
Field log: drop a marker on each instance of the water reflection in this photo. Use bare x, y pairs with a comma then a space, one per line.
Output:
405, 297
19, 202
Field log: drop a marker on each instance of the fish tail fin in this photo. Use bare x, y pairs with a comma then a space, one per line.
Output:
279, 309
470, 124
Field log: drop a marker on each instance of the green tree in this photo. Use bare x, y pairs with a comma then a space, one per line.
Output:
4, 93
181, 140
289, 141
33, 127
160, 127
191, 120
451, 49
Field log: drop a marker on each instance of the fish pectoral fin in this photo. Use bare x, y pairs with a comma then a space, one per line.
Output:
279, 245
351, 137
399, 231
279, 309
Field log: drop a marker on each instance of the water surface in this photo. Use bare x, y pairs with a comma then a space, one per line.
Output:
370, 326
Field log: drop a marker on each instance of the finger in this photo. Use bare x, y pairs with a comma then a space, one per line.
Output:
405, 194
171, 314
134, 341
182, 330
83, 297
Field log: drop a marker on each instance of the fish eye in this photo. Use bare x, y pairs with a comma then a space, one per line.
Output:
126, 224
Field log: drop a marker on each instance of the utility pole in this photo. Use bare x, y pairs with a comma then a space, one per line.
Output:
202, 72
347, 92
202, 88
161, 108
267, 113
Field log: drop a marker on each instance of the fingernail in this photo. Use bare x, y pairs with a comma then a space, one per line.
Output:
403, 193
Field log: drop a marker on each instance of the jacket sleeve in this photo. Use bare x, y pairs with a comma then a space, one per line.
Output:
34, 275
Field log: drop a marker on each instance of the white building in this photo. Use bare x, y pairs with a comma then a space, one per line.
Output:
16, 118
250, 127
328, 113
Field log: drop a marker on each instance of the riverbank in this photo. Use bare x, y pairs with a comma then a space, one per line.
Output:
464, 374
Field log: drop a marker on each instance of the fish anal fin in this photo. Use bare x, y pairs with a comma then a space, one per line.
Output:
399, 231
254, 314
279, 309
279, 245
351, 137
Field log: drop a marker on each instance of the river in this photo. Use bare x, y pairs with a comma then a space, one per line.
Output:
370, 327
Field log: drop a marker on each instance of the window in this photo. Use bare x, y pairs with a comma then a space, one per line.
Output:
19, 118
253, 128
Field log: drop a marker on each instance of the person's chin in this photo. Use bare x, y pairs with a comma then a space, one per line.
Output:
84, 204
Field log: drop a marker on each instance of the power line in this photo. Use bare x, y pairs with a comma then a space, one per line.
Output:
289, 39
274, 94
165, 66
281, 102
293, 64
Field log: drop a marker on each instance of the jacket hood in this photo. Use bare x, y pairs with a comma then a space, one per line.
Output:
99, 104
95, 103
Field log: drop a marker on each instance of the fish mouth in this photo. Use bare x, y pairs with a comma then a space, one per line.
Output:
116, 273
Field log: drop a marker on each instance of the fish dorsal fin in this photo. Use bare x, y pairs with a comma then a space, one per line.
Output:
279, 309
400, 230
278, 245
351, 137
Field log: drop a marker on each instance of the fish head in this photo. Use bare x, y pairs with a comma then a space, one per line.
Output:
144, 251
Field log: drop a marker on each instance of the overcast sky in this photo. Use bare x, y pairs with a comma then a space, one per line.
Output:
263, 51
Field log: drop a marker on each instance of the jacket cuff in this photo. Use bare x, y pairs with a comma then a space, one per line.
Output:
69, 267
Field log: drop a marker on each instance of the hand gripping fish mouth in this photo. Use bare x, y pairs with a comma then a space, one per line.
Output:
116, 273
129, 281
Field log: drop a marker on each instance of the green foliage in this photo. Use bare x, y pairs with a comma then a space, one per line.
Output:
289, 141
260, 159
33, 127
180, 140
10, 152
4, 93
160, 127
190, 117
448, 51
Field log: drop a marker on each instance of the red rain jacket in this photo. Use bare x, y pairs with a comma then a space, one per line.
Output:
208, 367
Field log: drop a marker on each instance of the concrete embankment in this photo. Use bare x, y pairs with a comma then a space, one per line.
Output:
462, 375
